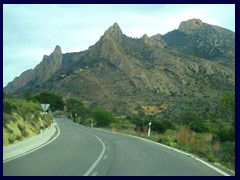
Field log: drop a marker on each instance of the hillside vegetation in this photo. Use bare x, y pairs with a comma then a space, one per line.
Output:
213, 139
21, 119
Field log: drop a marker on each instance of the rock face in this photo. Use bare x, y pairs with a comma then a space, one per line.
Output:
121, 73
40, 74
189, 26
49, 65
203, 40
114, 33
20, 81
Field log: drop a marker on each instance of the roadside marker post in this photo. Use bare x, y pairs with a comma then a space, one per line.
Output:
45, 108
149, 129
41, 128
92, 123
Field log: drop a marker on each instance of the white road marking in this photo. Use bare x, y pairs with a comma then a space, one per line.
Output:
30, 151
105, 157
177, 150
94, 174
99, 157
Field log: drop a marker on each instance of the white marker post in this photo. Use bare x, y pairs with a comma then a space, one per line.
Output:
41, 128
92, 124
149, 129
45, 108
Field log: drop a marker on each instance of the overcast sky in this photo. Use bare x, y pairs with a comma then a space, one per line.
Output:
30, 31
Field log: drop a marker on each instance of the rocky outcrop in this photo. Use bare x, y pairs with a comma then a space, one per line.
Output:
202, 40
40, 74
20, 81
49, 65
114, 33
190, 25
152, 42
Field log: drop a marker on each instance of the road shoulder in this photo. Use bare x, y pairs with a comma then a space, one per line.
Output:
31, 144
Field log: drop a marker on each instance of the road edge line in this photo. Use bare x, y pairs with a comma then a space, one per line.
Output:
174, 149
34, 149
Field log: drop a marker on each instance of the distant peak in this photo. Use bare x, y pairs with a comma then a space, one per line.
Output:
45, 56
58, 49
114, 29
115, 25
114, 32
189, 25
145, 36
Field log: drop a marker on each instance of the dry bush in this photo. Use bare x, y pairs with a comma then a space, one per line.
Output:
138, 130
186, 137
216, 147
114, 129
145, 129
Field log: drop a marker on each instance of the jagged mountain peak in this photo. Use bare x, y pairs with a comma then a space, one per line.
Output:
189, 25
113, 32
115, 26
58, 49
124, 69
203, 40
145, 36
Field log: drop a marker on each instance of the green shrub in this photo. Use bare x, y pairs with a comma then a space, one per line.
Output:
12, 139
167, 125
55, 101
8, 107
19, 138
199, 127
224, 135
162, 126
228, 148
227, 154
103, 118
21, 127
6, 119
10, 131
25, 133
210, 156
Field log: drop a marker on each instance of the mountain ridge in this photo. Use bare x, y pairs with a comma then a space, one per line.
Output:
122, 73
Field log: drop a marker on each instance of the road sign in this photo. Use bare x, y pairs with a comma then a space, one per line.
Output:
45, 107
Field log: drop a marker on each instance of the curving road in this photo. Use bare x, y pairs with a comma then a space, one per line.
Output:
88, 151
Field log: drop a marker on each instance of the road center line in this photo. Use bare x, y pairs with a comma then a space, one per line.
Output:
99, 157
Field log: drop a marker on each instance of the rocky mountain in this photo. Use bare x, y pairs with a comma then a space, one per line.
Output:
203, 40
182, 69
41, 73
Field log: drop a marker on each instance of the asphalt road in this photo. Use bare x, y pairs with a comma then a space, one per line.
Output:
79, 150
